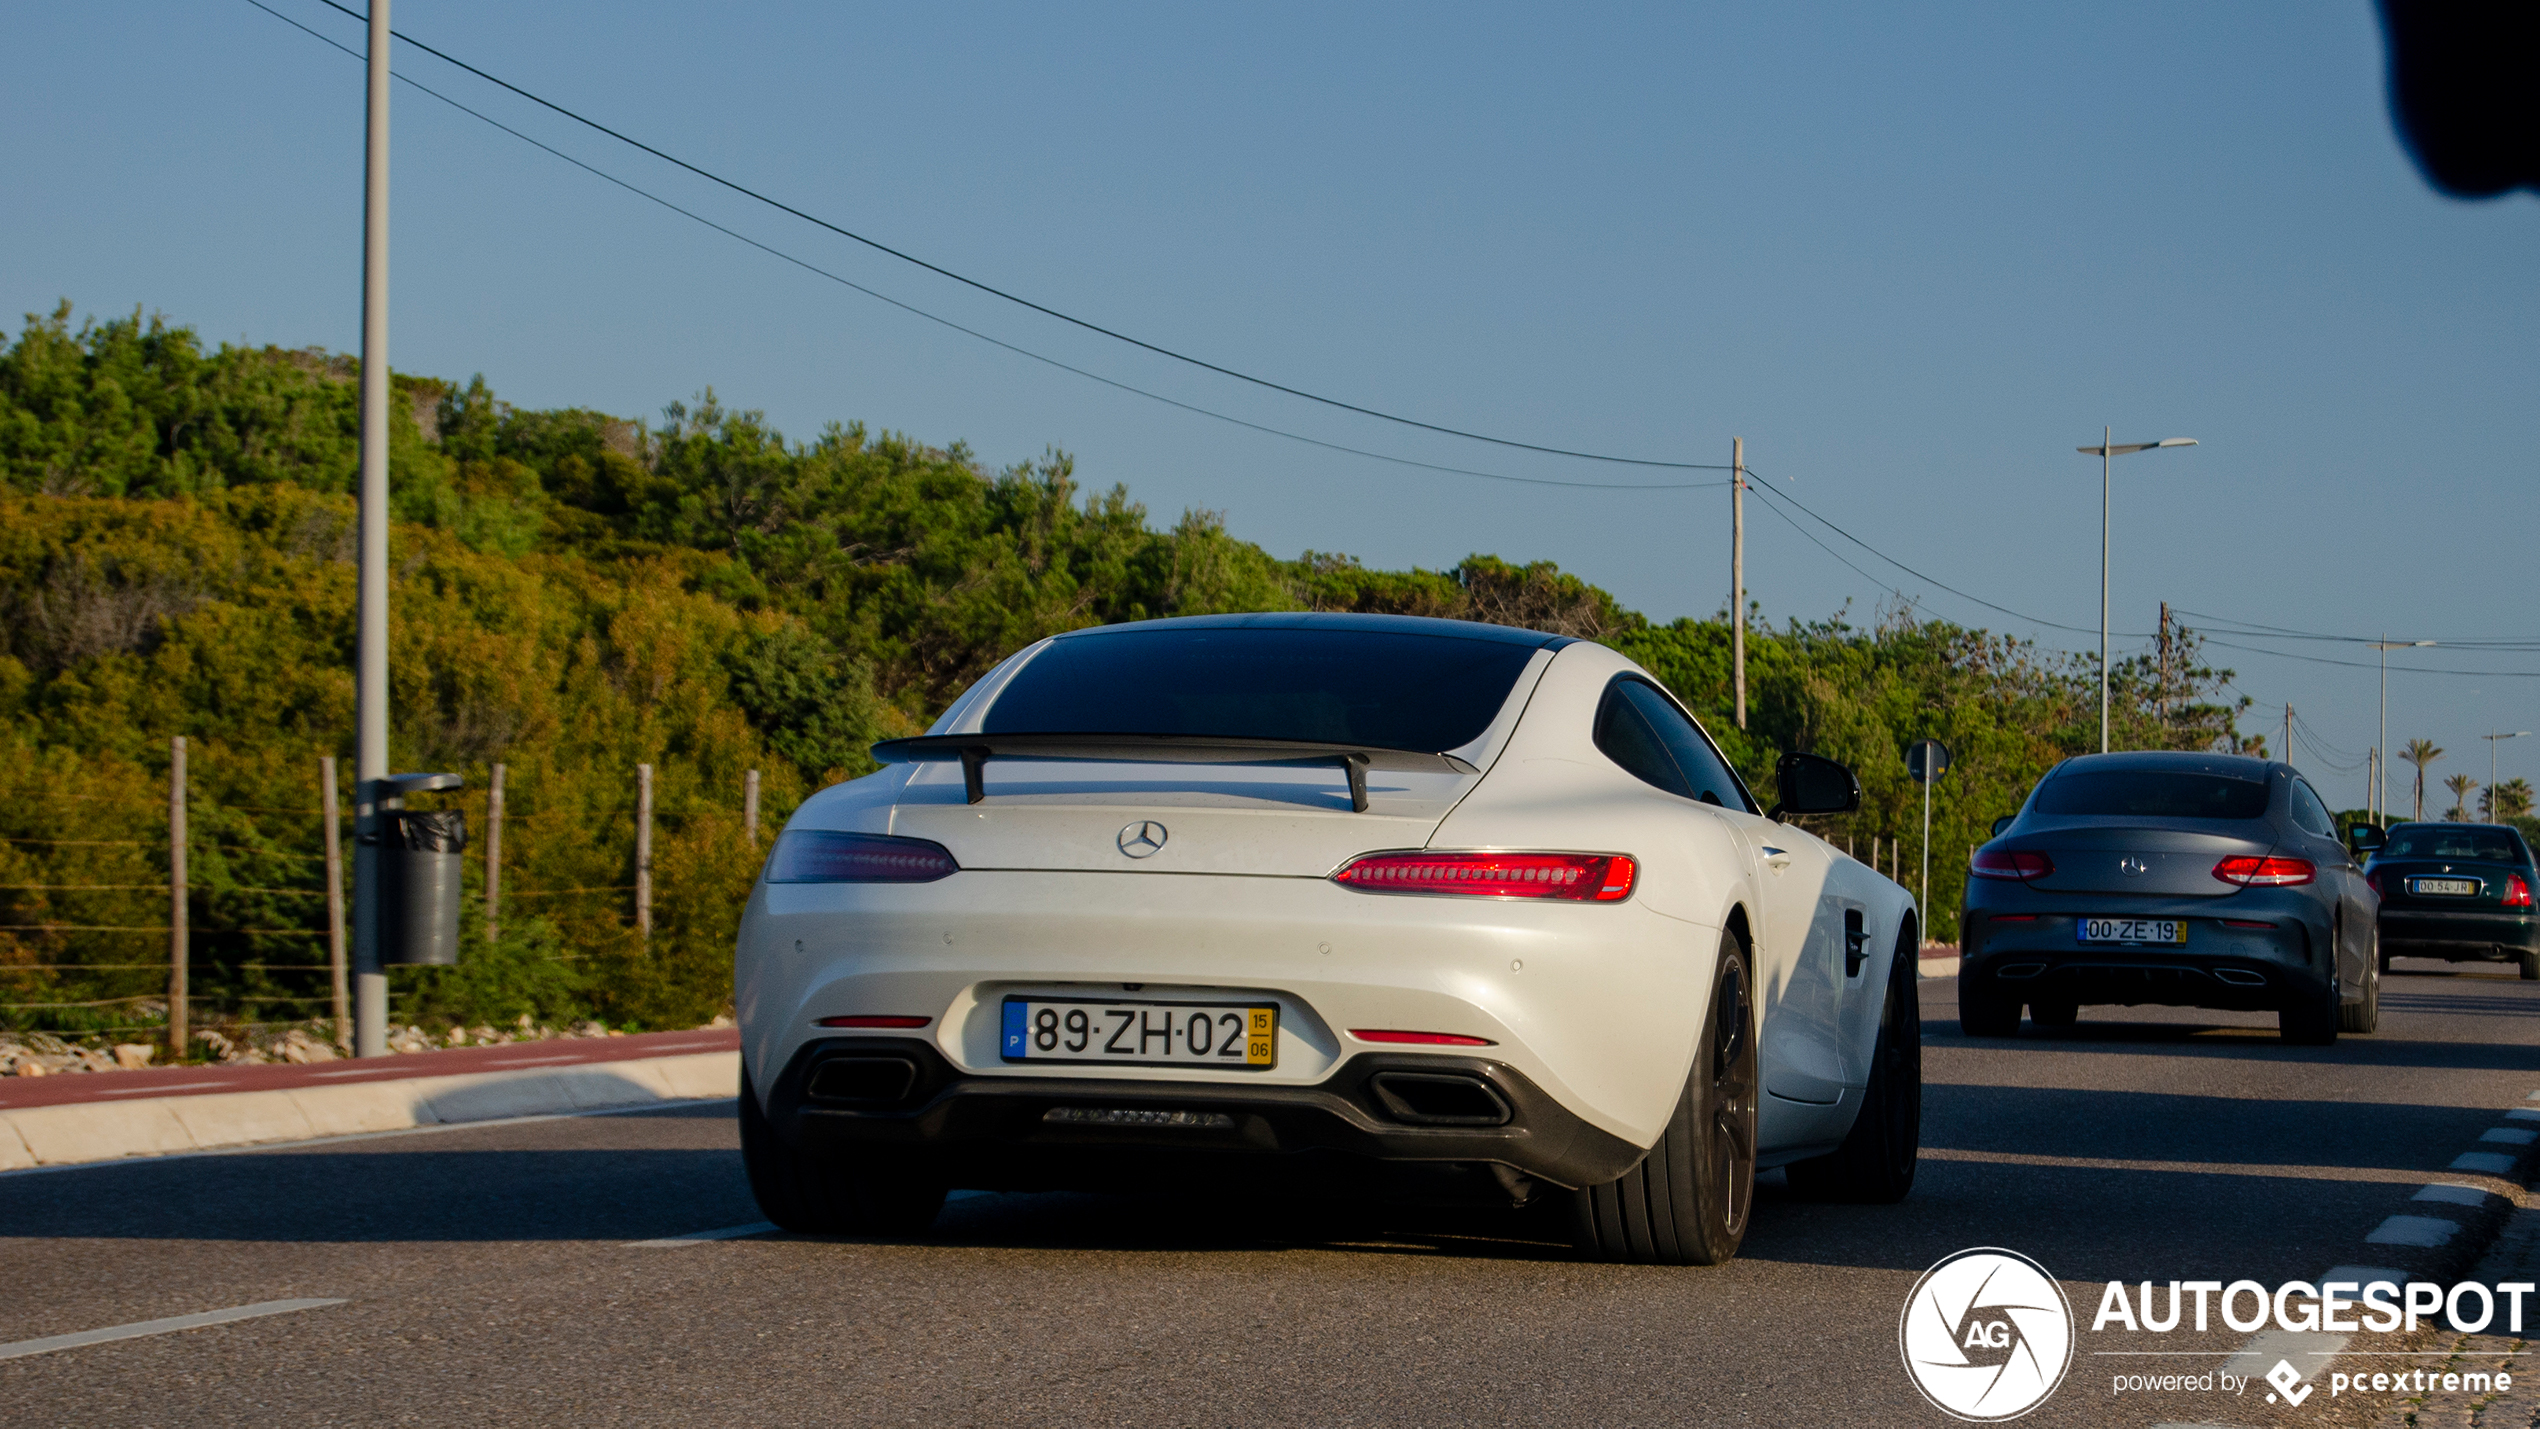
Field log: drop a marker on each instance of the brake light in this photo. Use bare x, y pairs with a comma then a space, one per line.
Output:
2249, 871
2010, 863
2373, 881
831, 856
1575, 877
869, 1020
2517, 892
2245, 923
1419, 1039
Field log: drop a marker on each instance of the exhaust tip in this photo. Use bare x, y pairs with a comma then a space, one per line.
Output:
2240, 977
869, 1081
1439, 1099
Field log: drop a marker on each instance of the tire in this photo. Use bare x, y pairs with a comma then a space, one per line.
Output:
2055, 1014
2365, 1016
1875, 1164
1689, 1200
1985, 1012
822, 1195
2313, 1024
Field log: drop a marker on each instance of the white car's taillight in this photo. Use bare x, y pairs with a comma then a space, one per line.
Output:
1576, 877
829, 856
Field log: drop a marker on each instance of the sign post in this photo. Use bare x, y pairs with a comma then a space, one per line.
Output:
1926, 760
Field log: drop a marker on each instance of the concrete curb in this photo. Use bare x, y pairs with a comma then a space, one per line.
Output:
80, 1132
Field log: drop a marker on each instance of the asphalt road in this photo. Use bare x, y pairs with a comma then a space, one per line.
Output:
490, 1277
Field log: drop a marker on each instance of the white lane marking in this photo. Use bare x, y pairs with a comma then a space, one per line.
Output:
2452, 1194
2308, 1351
2523, 1113
167, 1326
270, 1146
670, 1242
2509, 1136
2414, 1230
165, 1087
2492, 1163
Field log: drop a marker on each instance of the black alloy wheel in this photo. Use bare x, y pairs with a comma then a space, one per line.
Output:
826, 1195
1875, 1164
2057, 1013
1983, 1010
2365, 1016
1689, 1200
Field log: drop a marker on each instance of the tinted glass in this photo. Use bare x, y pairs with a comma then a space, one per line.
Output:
2434, 841
2151, 794
2310, 813
1379, 688
1634, 714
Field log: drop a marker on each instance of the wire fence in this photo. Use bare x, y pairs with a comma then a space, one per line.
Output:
187, 883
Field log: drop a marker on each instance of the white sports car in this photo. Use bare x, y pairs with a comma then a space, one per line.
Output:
1385, 906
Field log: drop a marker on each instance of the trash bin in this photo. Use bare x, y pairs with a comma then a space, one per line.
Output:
419, 857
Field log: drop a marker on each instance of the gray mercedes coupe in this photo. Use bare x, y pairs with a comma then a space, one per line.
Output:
2186, 880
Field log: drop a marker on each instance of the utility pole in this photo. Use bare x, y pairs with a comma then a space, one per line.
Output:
1737, 572
644, 849
494, 860
749, 805
2164, 701
2381, 741
370, 684
177, 941
336, 966
2287, 754
2492, 739
2107, 449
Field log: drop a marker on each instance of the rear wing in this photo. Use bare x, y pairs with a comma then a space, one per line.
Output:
975, 750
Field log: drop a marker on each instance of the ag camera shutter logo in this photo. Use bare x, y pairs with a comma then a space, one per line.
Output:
1986, 1334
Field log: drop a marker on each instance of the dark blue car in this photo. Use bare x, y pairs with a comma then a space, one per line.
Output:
2185, 880
2461, 892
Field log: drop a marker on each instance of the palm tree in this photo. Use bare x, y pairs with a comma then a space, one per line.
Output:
2460, 785
2421, 752
2510, 799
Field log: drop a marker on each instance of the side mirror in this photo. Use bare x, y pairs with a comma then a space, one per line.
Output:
2003, 823
2364, 838
1810, 784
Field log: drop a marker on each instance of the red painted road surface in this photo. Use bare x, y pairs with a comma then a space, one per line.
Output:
64, 1087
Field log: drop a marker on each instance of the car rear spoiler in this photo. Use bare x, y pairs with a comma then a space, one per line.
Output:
975, 750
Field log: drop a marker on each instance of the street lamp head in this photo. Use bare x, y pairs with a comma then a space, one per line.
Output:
2125, 448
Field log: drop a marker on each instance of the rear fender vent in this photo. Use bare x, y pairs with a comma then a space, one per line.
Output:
866, 1081
1439, 1099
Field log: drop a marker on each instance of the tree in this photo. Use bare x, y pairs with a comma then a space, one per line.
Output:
2460, 785
2421, 752
2510, 799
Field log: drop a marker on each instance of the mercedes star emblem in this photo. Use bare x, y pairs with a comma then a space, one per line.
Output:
1143, 839
2131, 866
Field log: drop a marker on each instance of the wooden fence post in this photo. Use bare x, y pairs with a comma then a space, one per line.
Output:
644, 849
749, 805
176, 901
335, 908
493, 859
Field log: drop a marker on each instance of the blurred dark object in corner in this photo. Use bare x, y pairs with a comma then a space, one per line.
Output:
2465, 91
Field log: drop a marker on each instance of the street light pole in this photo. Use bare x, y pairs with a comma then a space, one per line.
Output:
2381, 743
2494, 815
2108, 450
370, 684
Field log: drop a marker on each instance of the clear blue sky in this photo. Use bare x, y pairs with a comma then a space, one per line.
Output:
1914, 255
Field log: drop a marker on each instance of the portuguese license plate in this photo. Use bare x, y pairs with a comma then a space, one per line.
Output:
1172, 1034
2132, 930
2452, 887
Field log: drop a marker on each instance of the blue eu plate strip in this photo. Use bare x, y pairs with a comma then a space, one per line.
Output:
1016, 1027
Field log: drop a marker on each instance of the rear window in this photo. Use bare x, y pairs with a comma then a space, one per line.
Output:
2487, 845
1384, 689
2151, 794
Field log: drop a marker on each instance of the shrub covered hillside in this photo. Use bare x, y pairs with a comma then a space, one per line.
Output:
577, 593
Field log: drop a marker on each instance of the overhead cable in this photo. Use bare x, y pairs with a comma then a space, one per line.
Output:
1020, 301
984, 337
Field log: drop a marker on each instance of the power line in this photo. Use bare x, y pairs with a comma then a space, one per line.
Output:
1016, 299
2257, 631
2369, 665
981, 336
